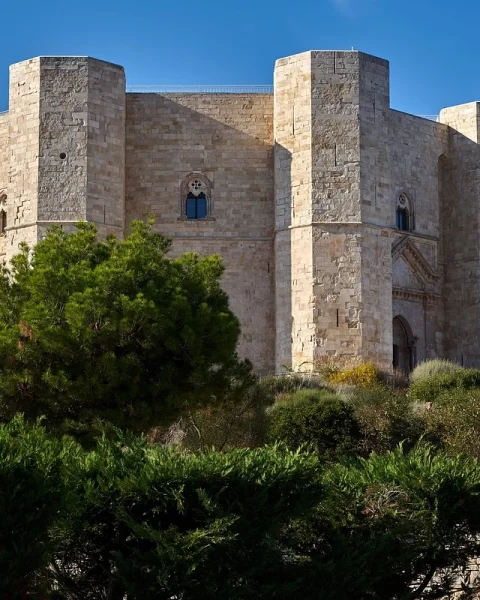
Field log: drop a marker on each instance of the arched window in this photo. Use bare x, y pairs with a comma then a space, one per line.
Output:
404, 213
196, 206
196, 197
3, 213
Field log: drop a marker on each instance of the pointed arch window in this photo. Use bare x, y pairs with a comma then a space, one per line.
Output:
196, 206
3, 213
196, 197
402, 219
404, 213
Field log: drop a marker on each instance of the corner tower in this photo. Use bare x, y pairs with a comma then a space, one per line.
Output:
461, 218
333, 260
67, 147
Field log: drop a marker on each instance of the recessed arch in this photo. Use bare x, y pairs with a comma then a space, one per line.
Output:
404, 345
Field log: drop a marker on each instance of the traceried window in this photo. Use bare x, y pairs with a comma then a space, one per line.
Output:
404, 213
196, 194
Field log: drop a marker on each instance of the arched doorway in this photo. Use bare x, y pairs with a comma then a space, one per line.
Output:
403, 345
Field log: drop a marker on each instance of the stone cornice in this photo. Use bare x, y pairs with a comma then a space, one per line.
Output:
405, 248
415, 295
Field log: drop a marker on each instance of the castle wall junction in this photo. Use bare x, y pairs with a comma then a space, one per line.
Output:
348, 229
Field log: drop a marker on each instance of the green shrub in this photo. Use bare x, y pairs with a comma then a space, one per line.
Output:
432, 368
32, 493
390, 525
326, 424
139, 521
153, 523
363, 375
453, 421
386, 418
428, 389
239, 424
288, 384
304, 396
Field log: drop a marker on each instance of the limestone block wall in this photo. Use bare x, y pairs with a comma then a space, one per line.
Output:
336, 209
335, 90
4, 165
374, 185
228, 138
350, 110
376, 285
461, 218
337, 289
24, 141
375, 148
65, 113
295, 304
4, 151
82, 141
62, 169
416, 146
105, 128
416, 149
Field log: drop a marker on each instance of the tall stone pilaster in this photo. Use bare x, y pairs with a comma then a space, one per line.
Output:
333, 266
460, 177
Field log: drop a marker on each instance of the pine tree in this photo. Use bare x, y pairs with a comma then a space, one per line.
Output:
114, 331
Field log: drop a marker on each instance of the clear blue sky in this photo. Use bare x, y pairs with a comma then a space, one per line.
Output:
431, 45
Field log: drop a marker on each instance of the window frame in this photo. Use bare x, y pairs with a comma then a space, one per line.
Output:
404, 211
198, 187
196, 200
402, 218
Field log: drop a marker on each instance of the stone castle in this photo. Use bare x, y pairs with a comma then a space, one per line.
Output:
347, 228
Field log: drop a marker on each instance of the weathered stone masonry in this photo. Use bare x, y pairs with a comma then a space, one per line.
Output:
347, 228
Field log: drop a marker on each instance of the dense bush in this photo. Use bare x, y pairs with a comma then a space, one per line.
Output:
32, 494
138, 522
386, 418
432, 368
152, 523
288, 384
239, 424
391, 525
362, 375
428, 389
453, 422
317, 419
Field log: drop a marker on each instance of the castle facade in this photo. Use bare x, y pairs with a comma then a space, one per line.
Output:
347, 228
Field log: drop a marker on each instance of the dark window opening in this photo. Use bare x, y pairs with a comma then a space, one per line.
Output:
402, 219
3, 221
196, 206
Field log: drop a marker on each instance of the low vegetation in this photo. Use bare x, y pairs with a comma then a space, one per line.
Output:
162, 468
131, 519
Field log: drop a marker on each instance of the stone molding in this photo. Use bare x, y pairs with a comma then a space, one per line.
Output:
415, 295
406, 249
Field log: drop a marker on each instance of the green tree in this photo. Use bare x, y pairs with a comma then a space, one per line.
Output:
114, 330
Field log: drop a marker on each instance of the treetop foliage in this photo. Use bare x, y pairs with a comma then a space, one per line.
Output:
114, 330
